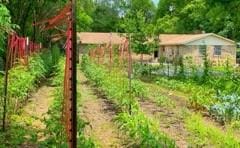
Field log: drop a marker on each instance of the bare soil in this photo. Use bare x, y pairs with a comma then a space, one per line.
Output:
170, 120
35, 111
38, 105
99, 113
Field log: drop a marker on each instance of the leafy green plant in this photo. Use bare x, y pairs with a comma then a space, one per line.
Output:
55, 131
200, 96
143, 130
227, 108
116, 88
22, 80
208, 135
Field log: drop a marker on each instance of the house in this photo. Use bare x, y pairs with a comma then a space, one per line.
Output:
218, 49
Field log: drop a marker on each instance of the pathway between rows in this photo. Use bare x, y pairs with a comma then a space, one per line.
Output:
39, 104
99, 113
170, 120
36, 110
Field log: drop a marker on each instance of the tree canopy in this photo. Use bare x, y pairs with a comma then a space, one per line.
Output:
140, 17
192, 16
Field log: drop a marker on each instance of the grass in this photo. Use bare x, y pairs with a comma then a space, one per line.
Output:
207, 135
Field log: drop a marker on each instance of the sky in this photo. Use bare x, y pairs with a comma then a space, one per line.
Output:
155, 1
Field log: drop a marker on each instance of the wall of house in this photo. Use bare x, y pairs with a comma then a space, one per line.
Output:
228, 53
212, 40
169, 51
191, 52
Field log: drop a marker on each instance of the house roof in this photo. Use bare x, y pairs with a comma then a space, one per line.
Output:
181, 39
165, 39
100, 38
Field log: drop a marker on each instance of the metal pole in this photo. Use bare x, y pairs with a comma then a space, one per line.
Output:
74, 77
34, 28
110, 51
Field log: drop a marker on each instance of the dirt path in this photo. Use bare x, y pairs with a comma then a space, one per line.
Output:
99, 113
181, 100
38, 105
33, 114
170, 120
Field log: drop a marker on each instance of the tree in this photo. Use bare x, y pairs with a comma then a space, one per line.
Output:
195, 16
5, 27
138, 23
106, 16
85, 10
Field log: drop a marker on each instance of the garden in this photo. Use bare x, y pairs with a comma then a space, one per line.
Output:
90, 74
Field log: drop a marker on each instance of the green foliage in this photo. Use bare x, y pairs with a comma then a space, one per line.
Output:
85, 11
191, 16
167, 24
5, 19
55, 130
116, 87
227, 108
5, 27
163, 101
143, 69
23, 80
138, 24
218, 94
208, 135
105, 16
141, 32
144, 130
200, 96
17, 135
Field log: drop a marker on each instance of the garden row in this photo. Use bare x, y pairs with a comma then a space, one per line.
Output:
22, 81
115, 86
202, 132
55, 130
219, 94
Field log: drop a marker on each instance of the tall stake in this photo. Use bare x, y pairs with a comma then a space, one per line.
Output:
130, 74
73, 68
5, 91
110, 52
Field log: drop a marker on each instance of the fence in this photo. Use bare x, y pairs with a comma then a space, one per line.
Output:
19, 49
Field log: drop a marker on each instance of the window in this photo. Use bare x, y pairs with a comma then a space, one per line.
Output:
202, 49
217, 50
